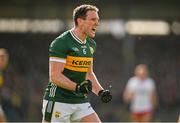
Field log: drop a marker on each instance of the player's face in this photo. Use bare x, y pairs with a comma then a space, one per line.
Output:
3, 61
141, 73
90, 24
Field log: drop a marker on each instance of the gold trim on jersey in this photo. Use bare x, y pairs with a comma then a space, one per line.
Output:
80, 64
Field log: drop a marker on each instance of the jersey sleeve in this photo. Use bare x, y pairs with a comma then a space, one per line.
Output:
153, 86
58, 50
130, 84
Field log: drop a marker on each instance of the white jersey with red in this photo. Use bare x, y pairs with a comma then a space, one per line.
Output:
142, 90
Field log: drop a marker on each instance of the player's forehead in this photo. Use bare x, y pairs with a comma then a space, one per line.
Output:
3, 54
141, 70
92, 14
2, 51
2, 57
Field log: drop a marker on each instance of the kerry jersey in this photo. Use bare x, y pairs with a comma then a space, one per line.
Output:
78, 57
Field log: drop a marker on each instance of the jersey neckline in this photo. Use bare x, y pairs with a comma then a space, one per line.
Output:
76, 38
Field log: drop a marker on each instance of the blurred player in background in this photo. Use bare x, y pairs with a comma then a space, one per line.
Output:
140, 92
71, 71
3, 64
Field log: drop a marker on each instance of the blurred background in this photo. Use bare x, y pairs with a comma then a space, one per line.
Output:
131, 32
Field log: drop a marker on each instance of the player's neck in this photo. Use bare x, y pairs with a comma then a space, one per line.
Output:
79, 34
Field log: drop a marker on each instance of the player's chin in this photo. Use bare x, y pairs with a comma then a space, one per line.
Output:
92, 35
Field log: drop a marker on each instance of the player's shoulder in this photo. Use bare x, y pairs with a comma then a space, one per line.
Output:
133, 80
61, 39
91, 41
150, 80
63, 36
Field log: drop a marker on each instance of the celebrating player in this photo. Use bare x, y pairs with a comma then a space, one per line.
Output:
140, 92
71, 75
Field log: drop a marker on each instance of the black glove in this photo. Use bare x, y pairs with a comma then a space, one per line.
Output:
84, 87
105, 96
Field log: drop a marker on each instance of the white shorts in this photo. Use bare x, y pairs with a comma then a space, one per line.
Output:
65, 112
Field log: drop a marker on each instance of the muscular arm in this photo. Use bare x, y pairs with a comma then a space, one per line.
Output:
127, 95
56, 76
96, 86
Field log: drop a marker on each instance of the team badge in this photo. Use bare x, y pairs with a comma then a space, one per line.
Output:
91, 50
57, 114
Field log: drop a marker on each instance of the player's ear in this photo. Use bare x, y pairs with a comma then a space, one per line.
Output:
80, 21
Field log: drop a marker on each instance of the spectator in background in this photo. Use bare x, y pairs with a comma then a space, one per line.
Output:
3, 64
140, 92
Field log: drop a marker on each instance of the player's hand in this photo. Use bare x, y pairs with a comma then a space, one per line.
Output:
105, 96
84, 87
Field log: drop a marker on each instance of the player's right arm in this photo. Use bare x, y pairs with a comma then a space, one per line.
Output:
58, 53
128, 93
56, 76
57, 60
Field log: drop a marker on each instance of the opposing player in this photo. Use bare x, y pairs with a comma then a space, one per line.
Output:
3, 64
71, 71
140, 92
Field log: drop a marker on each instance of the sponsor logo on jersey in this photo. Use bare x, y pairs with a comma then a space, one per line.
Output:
80, 64
75, 62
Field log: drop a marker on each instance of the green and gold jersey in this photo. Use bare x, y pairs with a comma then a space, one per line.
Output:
1, 78
78, 57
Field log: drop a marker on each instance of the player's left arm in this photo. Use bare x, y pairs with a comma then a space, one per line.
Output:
105, 95
96, 86
154, 98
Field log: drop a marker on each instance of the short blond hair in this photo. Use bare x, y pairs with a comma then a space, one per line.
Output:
3, 52
80, 11
141, 66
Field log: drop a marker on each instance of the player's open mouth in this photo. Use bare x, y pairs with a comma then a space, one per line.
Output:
94, 29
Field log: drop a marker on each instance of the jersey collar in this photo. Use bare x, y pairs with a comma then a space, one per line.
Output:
76, 38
